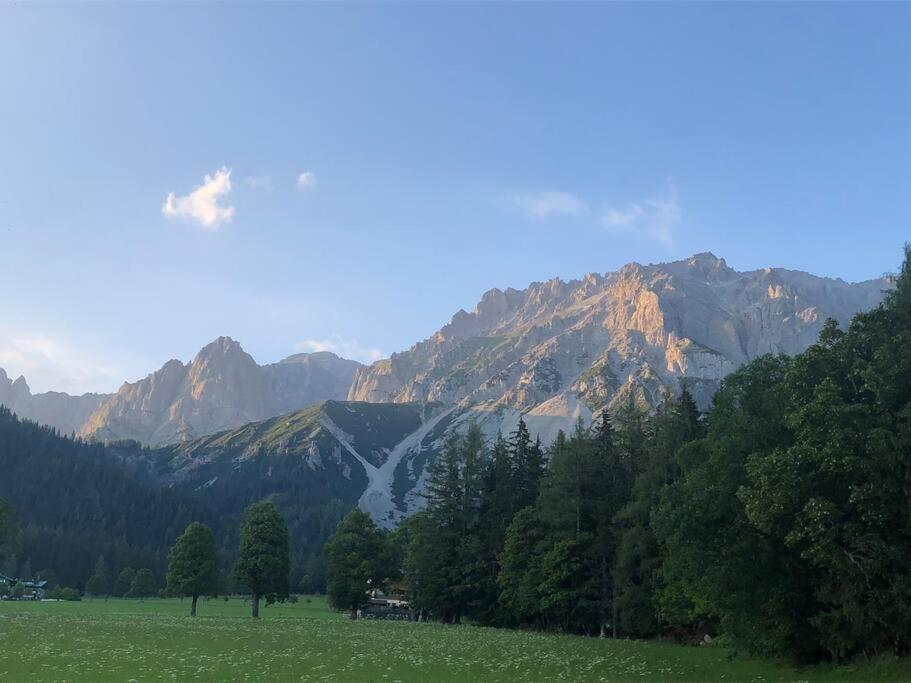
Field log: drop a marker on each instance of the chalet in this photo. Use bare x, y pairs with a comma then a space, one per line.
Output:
32, 589
382, 606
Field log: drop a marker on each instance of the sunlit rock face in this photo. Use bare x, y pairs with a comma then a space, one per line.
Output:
642, 329
221, 388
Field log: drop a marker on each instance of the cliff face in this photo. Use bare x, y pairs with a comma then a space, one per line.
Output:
64, 412
584, 344
221, 388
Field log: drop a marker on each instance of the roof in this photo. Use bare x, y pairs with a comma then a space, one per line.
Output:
40, 583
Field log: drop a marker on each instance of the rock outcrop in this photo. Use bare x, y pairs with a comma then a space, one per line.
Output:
642, 329
221, 388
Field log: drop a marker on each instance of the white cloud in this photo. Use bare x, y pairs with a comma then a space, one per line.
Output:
346, 348
202, 204
549, 203
655, 217
51, 365
306, 181
260, 182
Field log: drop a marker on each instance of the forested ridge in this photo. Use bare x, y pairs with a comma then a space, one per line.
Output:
76, 501
779, 522
79, 507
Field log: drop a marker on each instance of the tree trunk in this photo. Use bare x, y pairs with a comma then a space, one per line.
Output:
193, 606
256, 605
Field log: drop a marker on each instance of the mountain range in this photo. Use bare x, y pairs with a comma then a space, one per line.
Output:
553, 353
64, 412
222, 387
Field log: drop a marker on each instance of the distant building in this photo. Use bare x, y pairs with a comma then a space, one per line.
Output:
32, 589
382, 606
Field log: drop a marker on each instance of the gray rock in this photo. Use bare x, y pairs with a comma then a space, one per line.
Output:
221, 388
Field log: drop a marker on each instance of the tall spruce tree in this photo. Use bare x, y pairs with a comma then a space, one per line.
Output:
444, 538
612, 476
527, 460
494, 515
638, 559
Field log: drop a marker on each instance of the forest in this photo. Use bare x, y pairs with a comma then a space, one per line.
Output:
779, 522
76, 511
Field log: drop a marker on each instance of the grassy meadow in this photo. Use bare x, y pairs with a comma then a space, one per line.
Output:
126, 640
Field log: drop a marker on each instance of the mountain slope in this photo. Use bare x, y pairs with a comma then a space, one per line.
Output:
357, 452
570, 348
221, 388
74, 501
55, 409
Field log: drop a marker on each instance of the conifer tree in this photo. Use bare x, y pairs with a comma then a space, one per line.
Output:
527, 460
638, 554
520, 575
612, 475
494, 514
444, 537
98, 584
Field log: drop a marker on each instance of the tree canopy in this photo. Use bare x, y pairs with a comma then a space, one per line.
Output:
193, 565
264, 556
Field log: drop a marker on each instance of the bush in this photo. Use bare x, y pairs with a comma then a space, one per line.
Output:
67, 594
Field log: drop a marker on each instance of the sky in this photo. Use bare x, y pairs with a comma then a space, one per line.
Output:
347, 176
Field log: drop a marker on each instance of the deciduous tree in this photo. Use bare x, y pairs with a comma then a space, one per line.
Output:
193, 565
264, 557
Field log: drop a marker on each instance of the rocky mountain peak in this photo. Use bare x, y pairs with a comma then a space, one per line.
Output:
221, 348
21, 386
221, 388
589, 342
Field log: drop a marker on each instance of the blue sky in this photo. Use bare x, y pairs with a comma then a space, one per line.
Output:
447, 149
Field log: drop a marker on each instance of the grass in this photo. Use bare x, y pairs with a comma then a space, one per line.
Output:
121, 640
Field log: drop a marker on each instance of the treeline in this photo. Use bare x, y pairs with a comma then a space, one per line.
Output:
74, 502
83, 512
779, 522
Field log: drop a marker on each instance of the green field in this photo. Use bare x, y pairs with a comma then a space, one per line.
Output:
123, 640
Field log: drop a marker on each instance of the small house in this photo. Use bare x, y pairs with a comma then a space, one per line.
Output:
32, 589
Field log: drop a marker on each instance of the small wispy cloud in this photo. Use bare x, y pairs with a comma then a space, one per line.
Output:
202, 205
548, 204
655, 218
306, 181
260, 182
346, 348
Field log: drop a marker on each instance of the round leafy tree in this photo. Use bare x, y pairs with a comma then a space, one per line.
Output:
143, 585
357, 556
193, 565
264, 556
